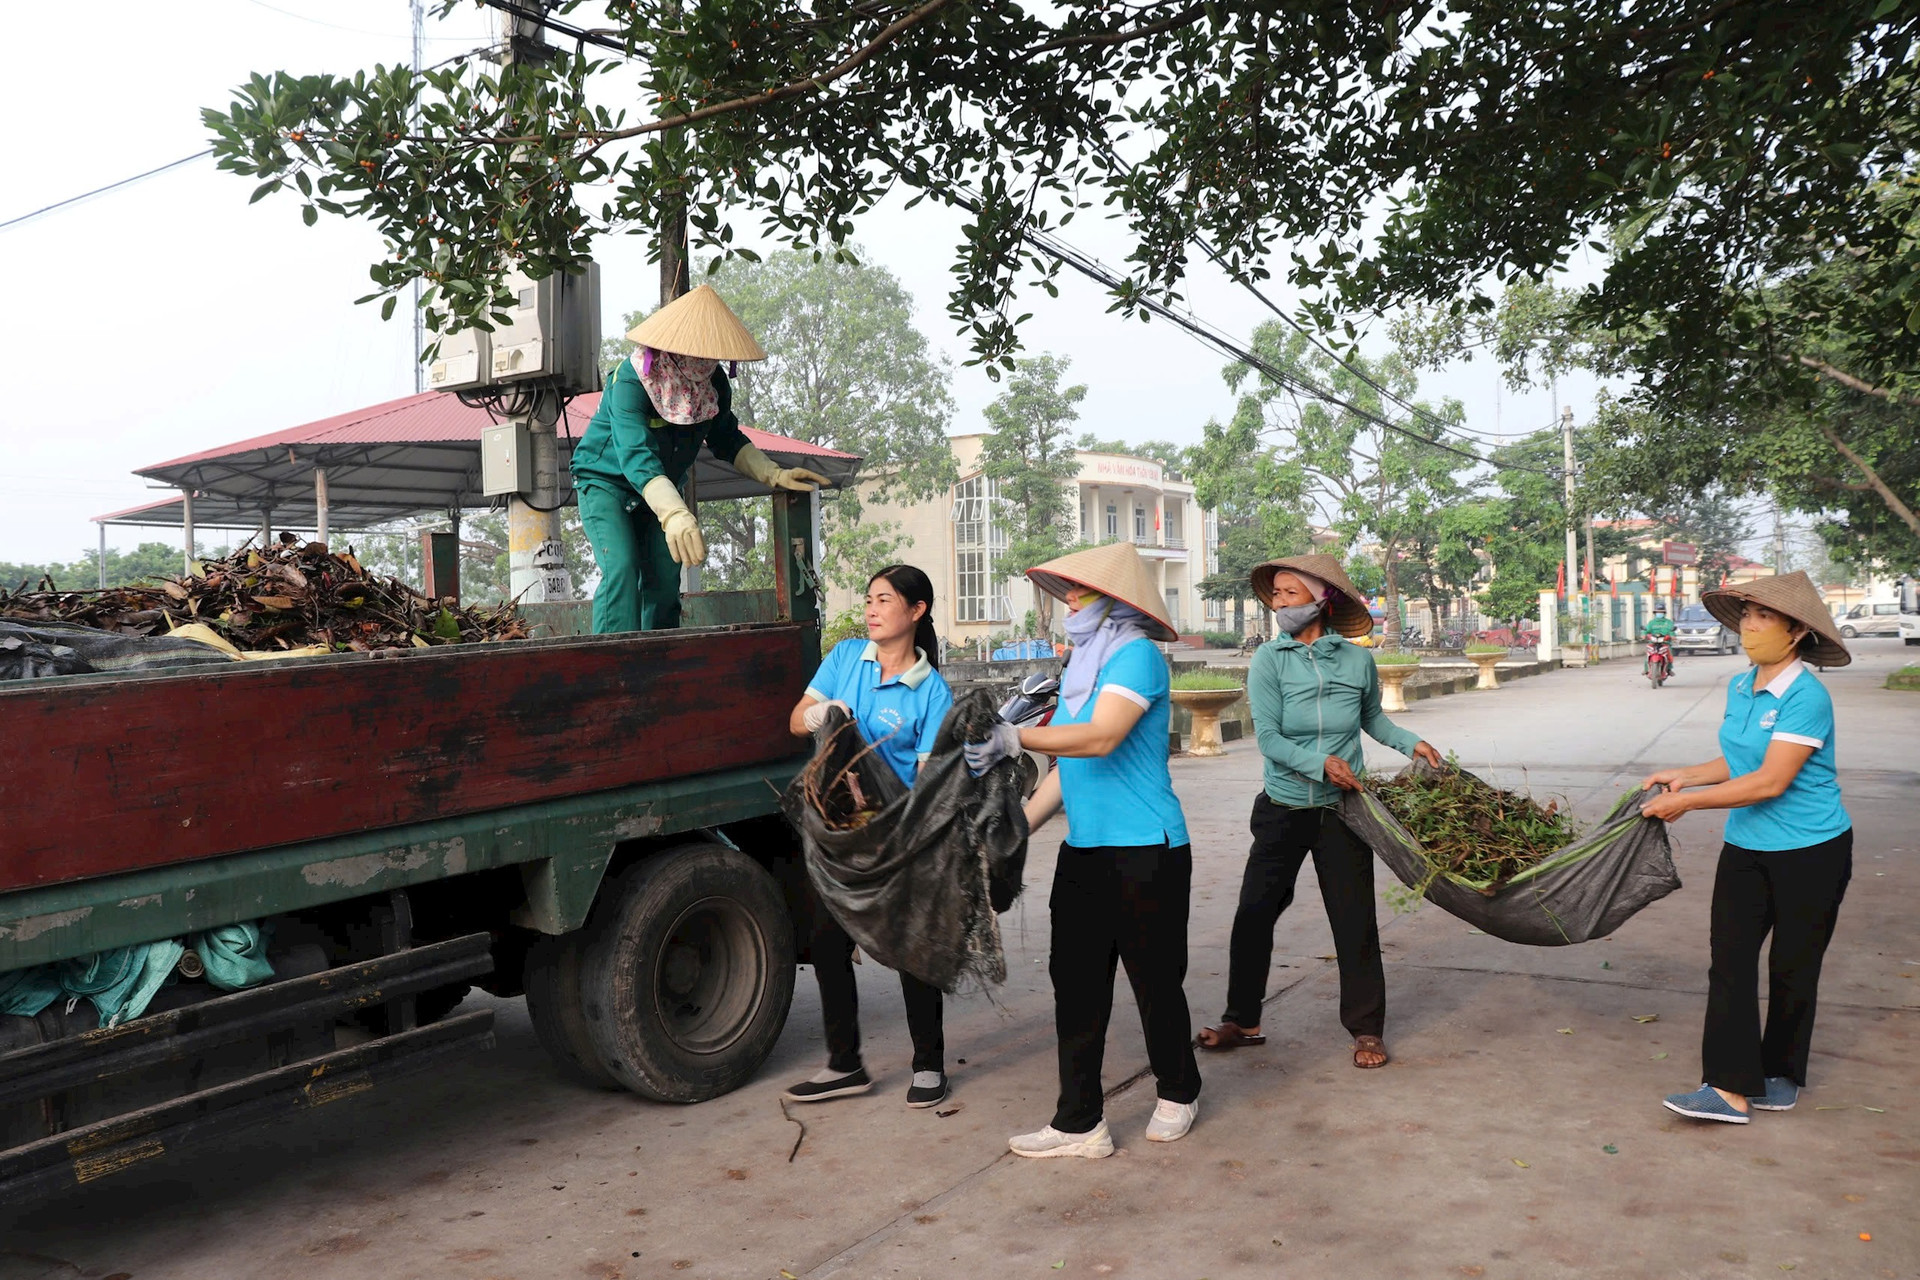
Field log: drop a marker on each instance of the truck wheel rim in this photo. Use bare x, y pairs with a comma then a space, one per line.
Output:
710, 975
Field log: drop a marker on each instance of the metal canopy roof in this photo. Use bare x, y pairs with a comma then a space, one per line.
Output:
417, 454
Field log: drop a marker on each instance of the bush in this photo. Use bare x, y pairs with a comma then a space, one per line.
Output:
1396, 659
1220, 639
1203, 680
846, 625
1483, 646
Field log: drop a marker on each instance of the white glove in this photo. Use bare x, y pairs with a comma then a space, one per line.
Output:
758, 467
1002, 743
816, 715
683, 531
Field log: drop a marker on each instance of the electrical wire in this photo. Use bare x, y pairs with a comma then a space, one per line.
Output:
1053, 247
111, 186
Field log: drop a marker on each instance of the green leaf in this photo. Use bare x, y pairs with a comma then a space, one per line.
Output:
309, 214
386, 308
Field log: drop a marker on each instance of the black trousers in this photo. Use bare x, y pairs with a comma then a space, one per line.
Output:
1795, 895
1282, 839
1125, 905
840, 1003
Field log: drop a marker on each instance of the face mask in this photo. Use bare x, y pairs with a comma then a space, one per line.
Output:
1767, 646
1295, 618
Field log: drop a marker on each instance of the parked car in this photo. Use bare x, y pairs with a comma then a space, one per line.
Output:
1874, 618
1698, 631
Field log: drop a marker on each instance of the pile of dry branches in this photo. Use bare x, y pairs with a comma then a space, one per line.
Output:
287, 596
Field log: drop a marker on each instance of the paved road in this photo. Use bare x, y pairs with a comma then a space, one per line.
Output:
1517, 1133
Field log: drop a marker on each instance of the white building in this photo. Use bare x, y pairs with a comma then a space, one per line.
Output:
958, 538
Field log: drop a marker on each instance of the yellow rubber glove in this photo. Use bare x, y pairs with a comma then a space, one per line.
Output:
683, 531
757, 466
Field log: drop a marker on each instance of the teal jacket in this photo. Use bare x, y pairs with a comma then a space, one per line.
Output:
628, 443
1311, 701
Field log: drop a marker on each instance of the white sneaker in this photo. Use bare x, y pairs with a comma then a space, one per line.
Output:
1171, 1120
1049, 1142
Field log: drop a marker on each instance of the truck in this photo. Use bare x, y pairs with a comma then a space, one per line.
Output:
591, 822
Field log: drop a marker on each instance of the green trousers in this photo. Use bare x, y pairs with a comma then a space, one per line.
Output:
639, 582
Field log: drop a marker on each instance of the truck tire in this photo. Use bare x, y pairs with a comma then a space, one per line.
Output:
559, 1016
687, 973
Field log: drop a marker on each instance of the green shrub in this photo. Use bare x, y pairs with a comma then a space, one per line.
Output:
843, 626
1483, 646
1203, 680
1396, 659
1907, 677
1220, 639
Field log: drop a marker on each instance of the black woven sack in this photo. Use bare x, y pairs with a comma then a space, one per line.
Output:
1583, 891
916, 876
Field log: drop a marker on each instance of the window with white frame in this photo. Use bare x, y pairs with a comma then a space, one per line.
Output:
1113, 522
977, 535
1175, 525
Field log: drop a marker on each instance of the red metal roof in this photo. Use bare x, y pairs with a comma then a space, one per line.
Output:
434, 416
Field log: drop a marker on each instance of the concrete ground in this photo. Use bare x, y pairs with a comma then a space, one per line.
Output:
1517, 1133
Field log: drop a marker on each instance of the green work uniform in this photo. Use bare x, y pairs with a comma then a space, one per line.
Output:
1660, 625
626, 445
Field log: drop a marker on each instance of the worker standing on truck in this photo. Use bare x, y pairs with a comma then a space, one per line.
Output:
660, 405
890, 686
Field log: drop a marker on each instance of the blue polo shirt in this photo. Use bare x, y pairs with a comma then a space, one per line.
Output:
1795, 707
898, 716
1125, 798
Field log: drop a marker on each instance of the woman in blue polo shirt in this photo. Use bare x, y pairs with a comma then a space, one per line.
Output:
1123, 878
888, 685
1788, 853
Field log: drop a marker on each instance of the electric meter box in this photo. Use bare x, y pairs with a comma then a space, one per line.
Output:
506, 460
465, 360
553, 333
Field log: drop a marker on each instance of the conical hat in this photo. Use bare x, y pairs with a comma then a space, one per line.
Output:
1350, 614
1115, 570
1794, 595
698, 324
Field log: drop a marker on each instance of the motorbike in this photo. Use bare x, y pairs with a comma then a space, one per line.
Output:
1031, 704
1250, 642
1659, 664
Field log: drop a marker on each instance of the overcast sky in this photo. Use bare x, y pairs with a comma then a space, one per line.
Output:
171, 316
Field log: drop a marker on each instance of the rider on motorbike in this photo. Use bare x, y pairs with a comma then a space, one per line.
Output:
1661, 625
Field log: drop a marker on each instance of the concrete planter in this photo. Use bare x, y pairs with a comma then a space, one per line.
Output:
1205, 706
1487, 662
1393, 681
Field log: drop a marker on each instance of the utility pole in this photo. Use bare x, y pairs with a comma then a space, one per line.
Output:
536, 556
1779, 539
418, 9
1573, 546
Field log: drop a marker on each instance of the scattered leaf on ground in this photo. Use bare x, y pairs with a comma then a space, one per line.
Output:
1644, 1018
1611, 1150
1606, 964
1522, 1163
1566, 1031
1879, 1111
1658, 1056
1059, 1264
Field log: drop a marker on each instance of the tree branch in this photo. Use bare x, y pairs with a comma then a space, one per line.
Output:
1181, 19
812, 84
1887, 495
1847, 380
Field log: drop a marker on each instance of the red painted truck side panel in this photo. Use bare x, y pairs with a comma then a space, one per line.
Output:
99, 776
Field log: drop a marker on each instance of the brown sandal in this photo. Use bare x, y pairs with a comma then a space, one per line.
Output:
1369, 1044
1228, 1035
